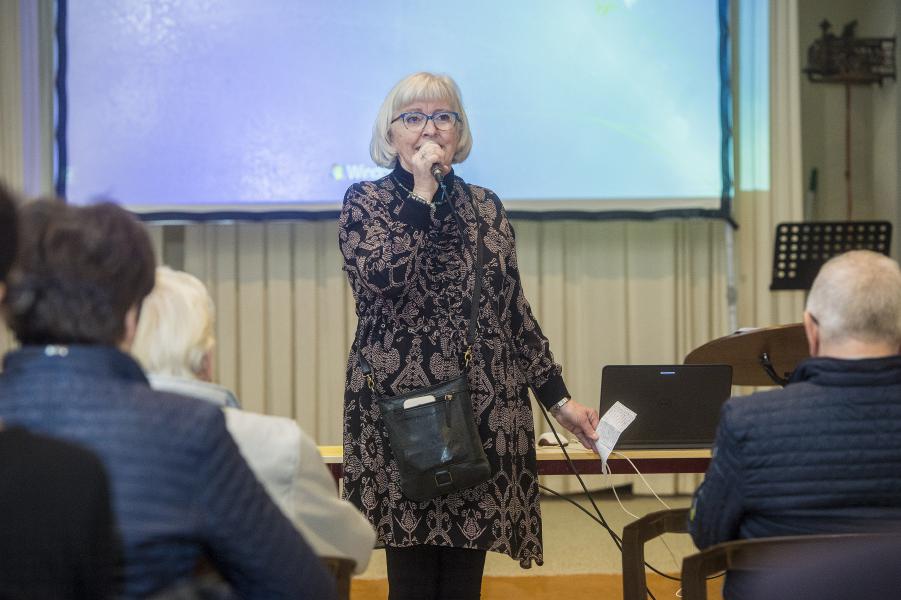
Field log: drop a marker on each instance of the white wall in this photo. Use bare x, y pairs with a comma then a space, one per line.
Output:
875, 134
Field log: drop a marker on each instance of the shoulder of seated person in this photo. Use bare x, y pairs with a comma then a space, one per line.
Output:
167, 405
759, 401
260, 422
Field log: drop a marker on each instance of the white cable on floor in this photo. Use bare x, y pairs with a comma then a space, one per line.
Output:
607, 471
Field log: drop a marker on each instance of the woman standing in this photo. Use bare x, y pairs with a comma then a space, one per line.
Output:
412, 272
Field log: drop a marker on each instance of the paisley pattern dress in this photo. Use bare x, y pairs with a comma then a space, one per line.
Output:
412, 278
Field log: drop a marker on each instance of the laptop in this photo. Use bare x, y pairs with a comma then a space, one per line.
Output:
677, 406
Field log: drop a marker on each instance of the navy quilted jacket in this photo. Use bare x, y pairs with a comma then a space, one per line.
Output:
822, 455
181, 489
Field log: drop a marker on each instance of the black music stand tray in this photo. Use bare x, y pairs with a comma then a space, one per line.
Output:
800, 249
764, 356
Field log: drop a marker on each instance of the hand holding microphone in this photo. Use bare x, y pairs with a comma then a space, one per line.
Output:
428, 171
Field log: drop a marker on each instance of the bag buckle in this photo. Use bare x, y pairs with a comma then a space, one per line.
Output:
467, 356
443, 479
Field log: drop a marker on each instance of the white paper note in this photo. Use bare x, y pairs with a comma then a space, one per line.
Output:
418, 401
611, 425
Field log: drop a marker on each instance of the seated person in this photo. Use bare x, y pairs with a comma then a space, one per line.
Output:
180, 489
820, 455
57, 533
174, 343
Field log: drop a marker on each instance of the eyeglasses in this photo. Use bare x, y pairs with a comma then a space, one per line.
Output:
415, 121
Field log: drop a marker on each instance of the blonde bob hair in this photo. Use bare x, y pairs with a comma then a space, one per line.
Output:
419, 87
175, 330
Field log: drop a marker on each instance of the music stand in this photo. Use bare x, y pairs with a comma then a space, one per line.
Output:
800, 249
763, 356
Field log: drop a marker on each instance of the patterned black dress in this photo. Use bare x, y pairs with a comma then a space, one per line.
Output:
412, 279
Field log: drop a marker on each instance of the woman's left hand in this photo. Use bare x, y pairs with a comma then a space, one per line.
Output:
581, 421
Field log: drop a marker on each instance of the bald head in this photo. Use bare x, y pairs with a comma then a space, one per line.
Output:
855, 302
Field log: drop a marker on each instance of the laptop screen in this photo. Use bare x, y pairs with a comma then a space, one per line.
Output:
677, 406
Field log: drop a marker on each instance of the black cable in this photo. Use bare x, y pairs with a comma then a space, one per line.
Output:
600, 517
583, 509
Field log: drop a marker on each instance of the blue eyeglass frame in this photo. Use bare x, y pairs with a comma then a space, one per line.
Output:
428, 118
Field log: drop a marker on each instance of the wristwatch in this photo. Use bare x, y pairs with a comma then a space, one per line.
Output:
556, 408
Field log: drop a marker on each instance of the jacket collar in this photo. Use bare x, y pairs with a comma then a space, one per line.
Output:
843, 372
406, 178
102, 362
202, 390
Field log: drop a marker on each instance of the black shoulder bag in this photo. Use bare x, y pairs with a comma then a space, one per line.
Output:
431, 430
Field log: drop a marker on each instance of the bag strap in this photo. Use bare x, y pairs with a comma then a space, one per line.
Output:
472, 327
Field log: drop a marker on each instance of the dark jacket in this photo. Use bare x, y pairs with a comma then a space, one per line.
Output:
180, 488
822, 455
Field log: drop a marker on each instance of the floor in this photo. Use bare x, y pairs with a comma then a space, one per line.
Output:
580, 558
550, 587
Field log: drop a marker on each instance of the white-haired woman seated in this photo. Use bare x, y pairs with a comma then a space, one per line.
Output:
174, 343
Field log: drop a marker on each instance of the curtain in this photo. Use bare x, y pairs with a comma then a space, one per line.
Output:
770, 193
26, 101
603, 292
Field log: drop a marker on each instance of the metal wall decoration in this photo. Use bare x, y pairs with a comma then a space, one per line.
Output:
848, 59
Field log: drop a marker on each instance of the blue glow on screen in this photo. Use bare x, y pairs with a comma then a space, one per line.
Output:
201, 103
754, 94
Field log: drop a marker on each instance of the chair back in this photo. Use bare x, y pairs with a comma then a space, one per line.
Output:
759, 554
342, 569
635, 534
738, 555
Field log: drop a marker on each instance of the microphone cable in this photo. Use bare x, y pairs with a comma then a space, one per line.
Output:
617, 540
599, 517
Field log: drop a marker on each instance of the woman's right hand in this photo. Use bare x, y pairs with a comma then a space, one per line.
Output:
424, 183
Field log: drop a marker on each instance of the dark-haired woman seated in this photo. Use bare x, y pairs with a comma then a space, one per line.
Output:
180, 488
57, 535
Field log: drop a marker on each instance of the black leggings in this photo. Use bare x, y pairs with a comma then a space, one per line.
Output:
434, 573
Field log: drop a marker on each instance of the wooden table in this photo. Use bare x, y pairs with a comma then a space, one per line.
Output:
552, 462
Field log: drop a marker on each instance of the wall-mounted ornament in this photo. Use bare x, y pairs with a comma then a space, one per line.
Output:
849, 60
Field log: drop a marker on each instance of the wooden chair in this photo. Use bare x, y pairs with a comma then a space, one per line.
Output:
738, 555
343, 570
760, 554
207, 583
635, 535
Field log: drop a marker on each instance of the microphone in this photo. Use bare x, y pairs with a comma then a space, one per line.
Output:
437, 174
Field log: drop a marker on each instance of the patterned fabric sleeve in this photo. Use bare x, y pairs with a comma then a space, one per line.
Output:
532, 348
380, 239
